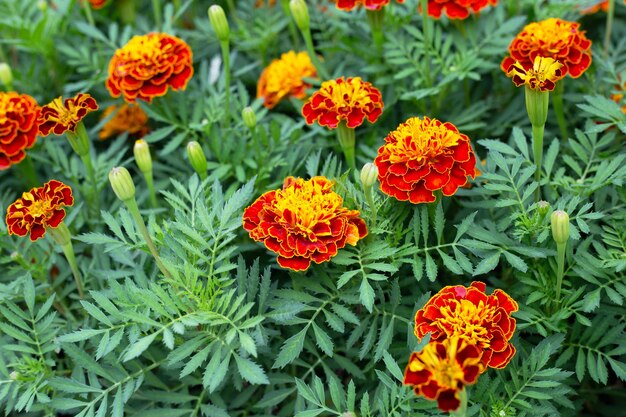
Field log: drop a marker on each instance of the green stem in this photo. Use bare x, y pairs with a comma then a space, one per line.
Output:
89, 15
62, 236
346, 138
560, 260
27, 171
369, 198
293, 31
226, 58
376, 19
150, 183
557, 104
94, 198
610, 15
425, 29
127, 11
308, 40
133, 208
538, 132
156, 8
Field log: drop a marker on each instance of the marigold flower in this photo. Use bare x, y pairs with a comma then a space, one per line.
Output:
422, 156
350, 99
60, 116
479, 319
457, 9
39, 209
368, 4
98, 4
18, 127
303, 222
552, 38
128, 118
284, 77
147, 65
542, 76
442, 369
602, 6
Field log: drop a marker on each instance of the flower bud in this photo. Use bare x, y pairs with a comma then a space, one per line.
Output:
300, 13
6, 76
369, 175
122, 183
142, 155
543, 207
219, 22
560, 226
197, 158
14, 375
249, 117
42, 5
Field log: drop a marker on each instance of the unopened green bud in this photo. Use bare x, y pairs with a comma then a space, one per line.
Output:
300, 13
560, 226
6, 76
219, 22
42, 5
543, 207
369, 175
142, 155
197, 158
249, 117
122, 183
14, 375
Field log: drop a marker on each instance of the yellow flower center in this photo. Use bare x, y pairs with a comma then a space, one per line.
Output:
421, 140
347, 94
466, 320
39, 208
304, 204
446, 371
65, 115
286, 73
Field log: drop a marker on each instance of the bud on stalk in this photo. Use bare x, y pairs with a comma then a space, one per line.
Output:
122, 183
219, 22
141, 150
197, 158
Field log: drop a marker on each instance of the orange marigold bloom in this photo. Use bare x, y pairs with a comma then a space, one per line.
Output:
128, 118
283, 77
18, 127
552, 38
480, 319
442, 369
147, 65
39, 209
98, 4
303, 222
60, 116
351, 100
368, 4
457, 9
602, 6
542, 76
422, 156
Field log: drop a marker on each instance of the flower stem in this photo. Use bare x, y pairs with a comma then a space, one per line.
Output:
62, 236
308, 40
133, 208
225, 46
538, 132
376, 19
557, 104
156, 8
127, 11
27, 170
610, 14
425, 29
560, 260
89, 15
150, 183
346, 138
369, 198
292, 27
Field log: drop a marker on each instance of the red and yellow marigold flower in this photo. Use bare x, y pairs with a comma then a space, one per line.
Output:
368, 4
304, 222
18, 127
148, 65
60, 116
344, 99
129, 118
98, 4
470, 314
442, 369
39, 209
457, 9
551, 38
422, 156
284, 77
542, 76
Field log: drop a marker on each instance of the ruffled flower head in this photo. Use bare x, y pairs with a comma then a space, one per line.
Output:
60, 116
304, 222
350, 100
18, 127
127, 118
551, 38
470, 314
284, 77
543, 75
457, 9
148, 65
442, 369
368, 4
39, 209
422, 156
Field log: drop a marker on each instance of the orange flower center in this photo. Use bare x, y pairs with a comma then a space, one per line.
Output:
466, 320
421, 140
305, 205
446, 371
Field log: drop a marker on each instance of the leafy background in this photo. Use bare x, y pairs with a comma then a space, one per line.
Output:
231, 334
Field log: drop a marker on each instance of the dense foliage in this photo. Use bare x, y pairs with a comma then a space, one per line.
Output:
218, 328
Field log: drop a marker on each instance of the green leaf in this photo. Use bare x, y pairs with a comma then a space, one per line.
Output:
251, 371
290, 349
139, 347
323, 340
